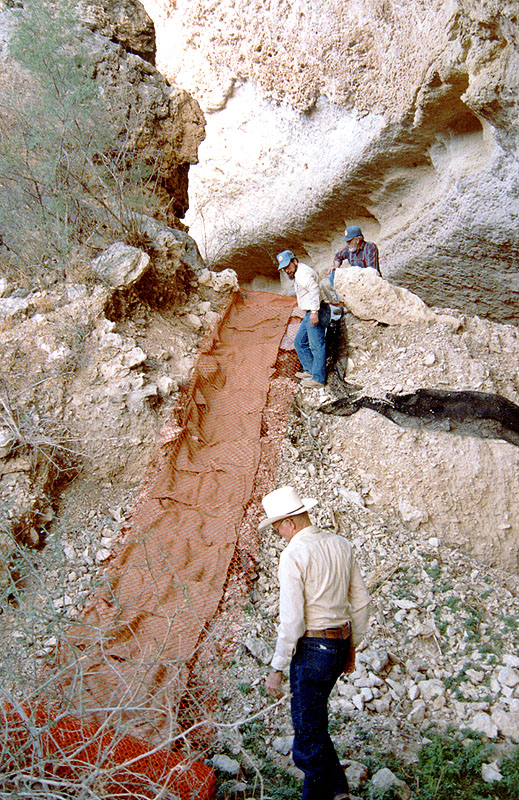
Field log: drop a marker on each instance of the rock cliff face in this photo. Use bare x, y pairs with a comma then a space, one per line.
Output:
158, 117
401, 117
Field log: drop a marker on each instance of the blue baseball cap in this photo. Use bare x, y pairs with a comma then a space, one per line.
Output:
352, 232
284, 258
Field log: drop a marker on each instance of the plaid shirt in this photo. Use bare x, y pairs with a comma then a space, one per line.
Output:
366, 256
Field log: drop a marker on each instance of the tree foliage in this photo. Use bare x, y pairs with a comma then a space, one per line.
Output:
65, 172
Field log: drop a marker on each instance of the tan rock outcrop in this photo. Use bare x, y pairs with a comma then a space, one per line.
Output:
125, 22
162, 122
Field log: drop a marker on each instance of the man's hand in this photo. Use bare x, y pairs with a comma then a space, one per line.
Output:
273, 684
336, 265
314, 317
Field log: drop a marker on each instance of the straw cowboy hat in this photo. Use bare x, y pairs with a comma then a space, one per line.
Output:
284, 502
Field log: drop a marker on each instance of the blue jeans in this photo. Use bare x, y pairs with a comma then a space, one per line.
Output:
314, 669
310, 344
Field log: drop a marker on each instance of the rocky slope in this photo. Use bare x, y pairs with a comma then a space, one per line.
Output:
96, 364
442, 643
431, 512
79, 397
91, 385
400, 117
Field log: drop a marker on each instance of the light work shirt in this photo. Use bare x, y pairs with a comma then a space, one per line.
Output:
307, 288
320, 586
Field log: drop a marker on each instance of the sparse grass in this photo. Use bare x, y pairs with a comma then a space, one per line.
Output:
511, 622
448, 767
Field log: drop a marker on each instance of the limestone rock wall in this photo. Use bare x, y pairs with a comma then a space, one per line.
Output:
399, 116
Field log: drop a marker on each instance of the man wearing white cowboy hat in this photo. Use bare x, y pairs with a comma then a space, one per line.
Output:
323, 612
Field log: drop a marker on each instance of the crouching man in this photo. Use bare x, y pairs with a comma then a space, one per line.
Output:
324, 610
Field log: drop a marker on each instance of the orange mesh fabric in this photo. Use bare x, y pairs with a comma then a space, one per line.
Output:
45, 742
167, 582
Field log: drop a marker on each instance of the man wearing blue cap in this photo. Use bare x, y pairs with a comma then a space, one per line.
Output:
310, 340
357, 253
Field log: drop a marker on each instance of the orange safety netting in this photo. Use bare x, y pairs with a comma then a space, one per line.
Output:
63, 751
131, 651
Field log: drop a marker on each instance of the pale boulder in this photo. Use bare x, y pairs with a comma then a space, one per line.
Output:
507, 722
370, 297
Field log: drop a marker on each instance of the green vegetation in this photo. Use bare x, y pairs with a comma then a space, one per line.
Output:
448, 768
68, 168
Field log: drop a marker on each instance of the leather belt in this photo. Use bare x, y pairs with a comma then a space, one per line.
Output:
344, 632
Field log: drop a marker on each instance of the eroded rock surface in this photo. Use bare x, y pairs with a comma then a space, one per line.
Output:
402, 118
92, 372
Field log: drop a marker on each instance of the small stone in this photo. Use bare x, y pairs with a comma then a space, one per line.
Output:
476, 676
431, 689
356, 773
106, 542
351, 496
166, 385
413, 692
417, 713
283, 744
406, 604
384, 779
259, 649
490, 772
343, 706
193, 321
120, 265
134, 357
69, 552
382, 704
397, 688
507, 722
507, 676
413, 516
7, 442
346, 690
225, 764
369, 680
102, 555
376, 660
429, 359
482, 723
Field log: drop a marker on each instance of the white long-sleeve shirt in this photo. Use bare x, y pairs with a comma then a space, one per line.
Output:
320, 586
307, 288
